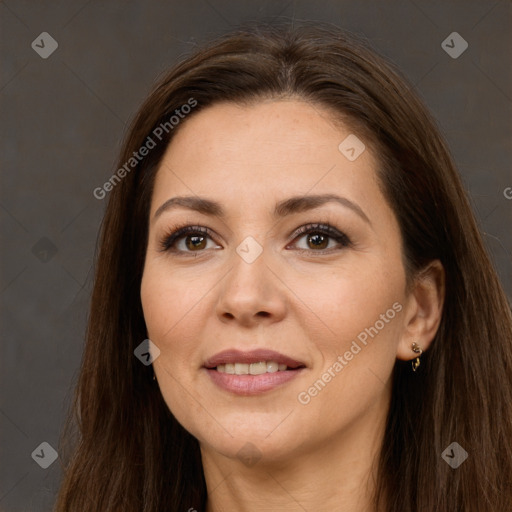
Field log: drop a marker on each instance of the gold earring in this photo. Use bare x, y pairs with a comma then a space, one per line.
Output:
417, 350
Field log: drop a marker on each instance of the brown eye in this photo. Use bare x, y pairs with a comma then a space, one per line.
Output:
194, 238
318, 236
318, 241
193, 242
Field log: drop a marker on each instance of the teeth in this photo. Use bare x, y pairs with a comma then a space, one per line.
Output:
258, 368
241, 369
272, 367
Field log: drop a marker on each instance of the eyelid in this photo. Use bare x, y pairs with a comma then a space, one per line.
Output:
323, 228
176, 232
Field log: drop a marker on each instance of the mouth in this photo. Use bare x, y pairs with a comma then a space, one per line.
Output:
253, 372
254, 362
257, 368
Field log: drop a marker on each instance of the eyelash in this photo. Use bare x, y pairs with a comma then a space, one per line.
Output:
178, 231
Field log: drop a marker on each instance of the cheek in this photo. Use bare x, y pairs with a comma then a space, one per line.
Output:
165, 300
356, 327
175, 306
162, 309
170, 309
341, 304
356, 332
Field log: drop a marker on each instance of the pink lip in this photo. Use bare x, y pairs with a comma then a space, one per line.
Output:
251, 356
251, 384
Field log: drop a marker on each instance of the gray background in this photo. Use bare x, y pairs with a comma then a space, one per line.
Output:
62, 122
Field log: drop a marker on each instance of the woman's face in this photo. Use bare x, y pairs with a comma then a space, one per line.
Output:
253, 294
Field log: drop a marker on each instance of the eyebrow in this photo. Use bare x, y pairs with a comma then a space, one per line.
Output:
289, 206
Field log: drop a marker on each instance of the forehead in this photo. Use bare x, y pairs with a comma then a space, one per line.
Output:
277, 148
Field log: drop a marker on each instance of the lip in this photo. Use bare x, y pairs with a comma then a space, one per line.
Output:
247, 385
252, 356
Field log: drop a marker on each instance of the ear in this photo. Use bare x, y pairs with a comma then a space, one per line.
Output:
423, 310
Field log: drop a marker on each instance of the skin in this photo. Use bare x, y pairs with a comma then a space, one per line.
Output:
310, 305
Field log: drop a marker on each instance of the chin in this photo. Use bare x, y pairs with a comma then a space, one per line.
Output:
253, 440
251, 450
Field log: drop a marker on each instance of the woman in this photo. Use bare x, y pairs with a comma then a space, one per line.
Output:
338, 341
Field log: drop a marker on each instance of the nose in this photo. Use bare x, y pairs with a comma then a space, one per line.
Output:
251, 292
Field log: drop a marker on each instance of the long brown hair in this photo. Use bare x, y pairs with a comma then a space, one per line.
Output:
127, 452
